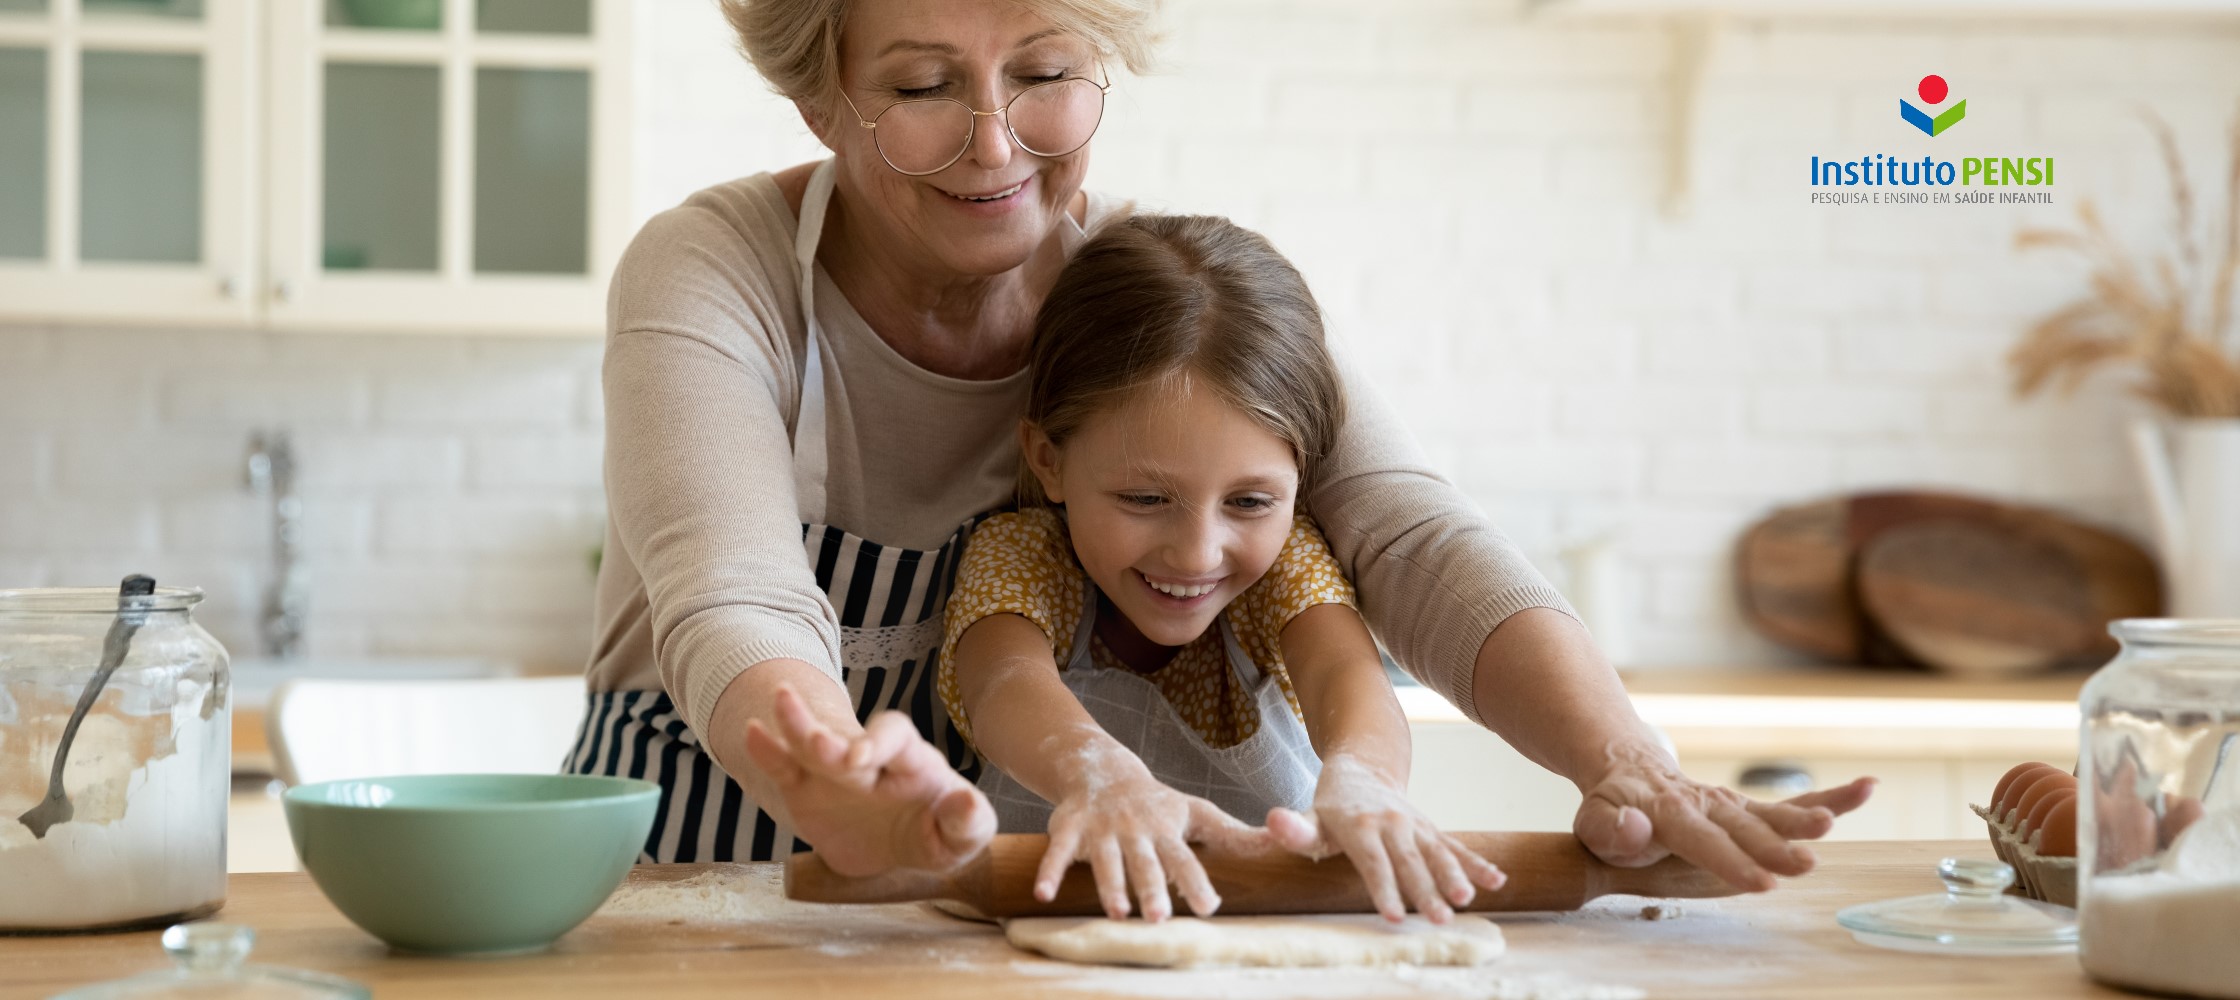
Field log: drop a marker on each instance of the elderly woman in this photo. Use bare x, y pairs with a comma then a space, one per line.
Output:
813, 379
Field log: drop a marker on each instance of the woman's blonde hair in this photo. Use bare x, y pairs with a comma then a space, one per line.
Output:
795, 44
1155, 298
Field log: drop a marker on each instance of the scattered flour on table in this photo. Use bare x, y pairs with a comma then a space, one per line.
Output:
716, 896
1323, 983
735, 894
1622, 907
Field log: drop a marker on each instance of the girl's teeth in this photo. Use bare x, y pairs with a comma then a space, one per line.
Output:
1172, 590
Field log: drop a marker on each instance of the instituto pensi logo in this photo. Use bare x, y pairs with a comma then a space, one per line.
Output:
1933, 91
1896, 179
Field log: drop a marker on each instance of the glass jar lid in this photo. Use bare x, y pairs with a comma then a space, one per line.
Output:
210, 959
1973, 916
101, 601
2217, 632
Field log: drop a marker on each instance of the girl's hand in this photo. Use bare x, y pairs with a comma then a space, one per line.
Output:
1392, 845
1134, 831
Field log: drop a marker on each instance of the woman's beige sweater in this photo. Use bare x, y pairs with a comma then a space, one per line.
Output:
704, 573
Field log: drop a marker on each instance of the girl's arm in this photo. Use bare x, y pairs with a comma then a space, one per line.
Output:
1361, 803
1108, 809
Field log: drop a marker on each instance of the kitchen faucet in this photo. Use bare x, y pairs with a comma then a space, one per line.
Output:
272, 473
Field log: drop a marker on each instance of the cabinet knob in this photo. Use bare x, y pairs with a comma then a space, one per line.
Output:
229, 287
284, 290
1774, 781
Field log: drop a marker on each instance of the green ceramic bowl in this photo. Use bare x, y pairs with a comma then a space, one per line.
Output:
470, 863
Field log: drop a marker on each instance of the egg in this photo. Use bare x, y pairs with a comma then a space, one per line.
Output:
2057, 834
2034, 818
2007, 782
2025, 795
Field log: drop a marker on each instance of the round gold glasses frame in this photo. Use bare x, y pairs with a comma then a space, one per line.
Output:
1104, 90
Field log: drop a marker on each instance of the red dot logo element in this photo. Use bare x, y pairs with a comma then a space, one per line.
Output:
1933, 89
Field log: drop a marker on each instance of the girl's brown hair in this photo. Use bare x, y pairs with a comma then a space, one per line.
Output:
1152, 298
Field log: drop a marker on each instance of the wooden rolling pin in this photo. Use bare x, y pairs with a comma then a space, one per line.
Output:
1547, 871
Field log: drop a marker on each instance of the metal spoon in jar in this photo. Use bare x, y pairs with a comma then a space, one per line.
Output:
132, 612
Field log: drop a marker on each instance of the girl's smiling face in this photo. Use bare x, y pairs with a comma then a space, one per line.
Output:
1176, 500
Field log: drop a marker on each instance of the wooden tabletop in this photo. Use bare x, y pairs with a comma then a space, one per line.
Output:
1782, 944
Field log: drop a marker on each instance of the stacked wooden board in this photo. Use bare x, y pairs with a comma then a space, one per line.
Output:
1941, 580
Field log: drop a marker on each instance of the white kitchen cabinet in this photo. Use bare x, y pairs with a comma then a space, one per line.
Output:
442, 165
1466, 778
127, 167
1936, 746
1915, 800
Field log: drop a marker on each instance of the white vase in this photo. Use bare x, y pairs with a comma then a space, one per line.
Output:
2191, 469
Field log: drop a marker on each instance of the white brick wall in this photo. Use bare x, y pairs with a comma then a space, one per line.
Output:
1475, 199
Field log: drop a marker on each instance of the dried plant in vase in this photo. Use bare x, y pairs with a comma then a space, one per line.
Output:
2170, 316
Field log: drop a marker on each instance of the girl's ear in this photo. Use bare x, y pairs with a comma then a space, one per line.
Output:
1042, 457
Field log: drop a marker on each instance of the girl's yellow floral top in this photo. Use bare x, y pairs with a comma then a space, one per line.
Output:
1023, 564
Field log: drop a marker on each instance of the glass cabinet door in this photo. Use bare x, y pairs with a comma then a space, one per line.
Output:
125, 160
23, 156
434, 163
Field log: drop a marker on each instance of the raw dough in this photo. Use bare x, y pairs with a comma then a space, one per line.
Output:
1180, 942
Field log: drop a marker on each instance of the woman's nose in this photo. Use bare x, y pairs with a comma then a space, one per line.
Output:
991, 141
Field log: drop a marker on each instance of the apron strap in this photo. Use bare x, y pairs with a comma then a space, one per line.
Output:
809, 457
1086, 630
1246, 670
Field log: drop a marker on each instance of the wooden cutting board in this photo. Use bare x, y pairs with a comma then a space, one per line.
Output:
1991, 588
1547, 871
2005, 596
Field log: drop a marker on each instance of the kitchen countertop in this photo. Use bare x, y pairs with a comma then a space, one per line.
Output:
1783, 944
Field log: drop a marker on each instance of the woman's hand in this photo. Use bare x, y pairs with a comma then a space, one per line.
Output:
883, 800
1135, 832
1394, 847
1644, 809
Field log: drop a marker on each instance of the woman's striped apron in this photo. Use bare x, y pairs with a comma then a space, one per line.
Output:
889, 602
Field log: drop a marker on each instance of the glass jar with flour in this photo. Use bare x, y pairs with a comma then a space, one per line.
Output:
2159, 819
133, 834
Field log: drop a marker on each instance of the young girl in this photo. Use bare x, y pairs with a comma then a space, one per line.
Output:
1159, 644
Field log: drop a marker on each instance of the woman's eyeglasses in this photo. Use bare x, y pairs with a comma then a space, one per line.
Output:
925, 136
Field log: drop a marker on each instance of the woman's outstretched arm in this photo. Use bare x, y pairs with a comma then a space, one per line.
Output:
1462, 610
1543, 685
